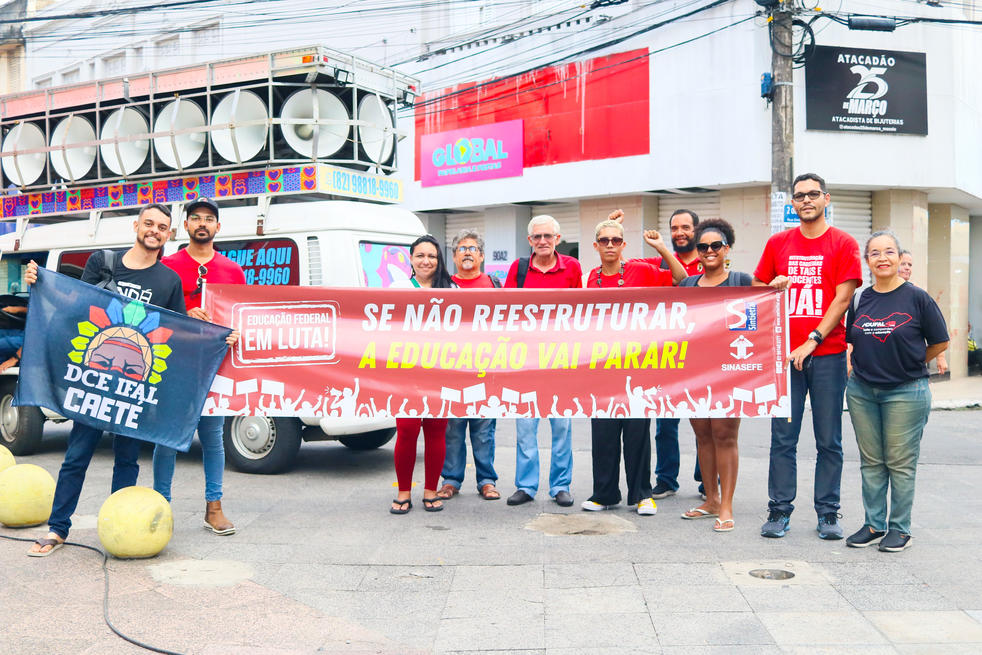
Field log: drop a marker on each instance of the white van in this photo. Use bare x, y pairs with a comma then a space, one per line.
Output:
315, 243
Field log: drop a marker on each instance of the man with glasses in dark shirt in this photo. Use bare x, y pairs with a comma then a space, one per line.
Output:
197, 263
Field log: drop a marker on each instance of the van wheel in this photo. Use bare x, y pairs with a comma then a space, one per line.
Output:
257, 444
20, 427
368, 440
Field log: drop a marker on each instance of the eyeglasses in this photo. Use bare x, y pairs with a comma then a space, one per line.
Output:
202, 218
463, 249
875, 254
814, 194
715, 245
202, 272
542, 237
605, 241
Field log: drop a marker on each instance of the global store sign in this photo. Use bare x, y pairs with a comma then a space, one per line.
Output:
482, 152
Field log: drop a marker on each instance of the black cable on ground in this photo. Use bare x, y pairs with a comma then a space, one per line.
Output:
105, 595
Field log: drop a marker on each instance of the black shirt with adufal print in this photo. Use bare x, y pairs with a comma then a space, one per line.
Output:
890, 333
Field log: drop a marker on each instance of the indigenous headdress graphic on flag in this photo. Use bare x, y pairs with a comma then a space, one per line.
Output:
126, 339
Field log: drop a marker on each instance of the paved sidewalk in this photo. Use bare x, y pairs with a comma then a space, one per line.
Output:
319, 566
961, 393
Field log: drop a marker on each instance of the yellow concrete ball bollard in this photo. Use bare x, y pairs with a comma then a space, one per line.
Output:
135, 522
6, 458
26, 494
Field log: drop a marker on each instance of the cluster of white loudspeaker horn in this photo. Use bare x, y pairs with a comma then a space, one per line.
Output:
315, 123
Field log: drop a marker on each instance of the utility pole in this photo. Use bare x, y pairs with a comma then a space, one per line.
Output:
782, 110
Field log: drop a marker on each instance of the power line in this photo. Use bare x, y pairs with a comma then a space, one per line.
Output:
511, 93
526, 56
591, 49
115, 12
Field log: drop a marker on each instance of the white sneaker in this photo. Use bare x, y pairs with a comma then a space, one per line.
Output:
591, 506
647, 507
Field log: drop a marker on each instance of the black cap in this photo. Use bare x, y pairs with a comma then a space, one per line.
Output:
202, 202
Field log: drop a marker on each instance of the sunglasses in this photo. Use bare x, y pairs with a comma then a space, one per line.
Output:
715, 245
605, 241
202, 272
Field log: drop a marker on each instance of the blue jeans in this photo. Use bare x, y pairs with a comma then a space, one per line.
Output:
824, 380
212, 456
527, 455
82, 442
482, 449
667, 453
10, 342
888, 425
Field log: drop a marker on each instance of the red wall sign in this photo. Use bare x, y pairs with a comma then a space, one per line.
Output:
594, 109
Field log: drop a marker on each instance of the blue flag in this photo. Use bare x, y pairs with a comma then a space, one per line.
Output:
115, 363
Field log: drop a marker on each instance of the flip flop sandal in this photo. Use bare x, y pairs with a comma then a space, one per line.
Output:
699, 514
447, 492
723, 526
408, 503
429, 504
488, 492
44, 541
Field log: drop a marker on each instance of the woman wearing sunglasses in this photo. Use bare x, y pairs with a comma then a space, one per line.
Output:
716, 438
607, 433
429, 272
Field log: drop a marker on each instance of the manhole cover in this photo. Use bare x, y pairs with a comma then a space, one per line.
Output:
580, 524
772, 574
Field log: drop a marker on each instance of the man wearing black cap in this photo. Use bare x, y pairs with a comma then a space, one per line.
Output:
194, 265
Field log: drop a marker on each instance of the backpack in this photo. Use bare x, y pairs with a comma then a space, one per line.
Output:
523, 269
106, 272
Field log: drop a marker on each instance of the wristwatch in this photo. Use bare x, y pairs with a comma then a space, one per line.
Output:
815, 336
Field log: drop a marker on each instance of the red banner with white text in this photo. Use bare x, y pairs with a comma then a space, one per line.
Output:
627, 352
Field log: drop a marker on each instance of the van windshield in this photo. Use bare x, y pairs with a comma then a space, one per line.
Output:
383, 263
12, 268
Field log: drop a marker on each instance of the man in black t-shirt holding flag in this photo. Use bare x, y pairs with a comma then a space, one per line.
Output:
139, 275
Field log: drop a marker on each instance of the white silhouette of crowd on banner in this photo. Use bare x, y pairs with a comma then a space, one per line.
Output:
268, 398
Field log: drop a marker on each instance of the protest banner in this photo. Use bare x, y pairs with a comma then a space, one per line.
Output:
115, 363
638, 352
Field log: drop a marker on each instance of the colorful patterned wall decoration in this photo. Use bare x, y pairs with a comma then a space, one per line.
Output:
287, 180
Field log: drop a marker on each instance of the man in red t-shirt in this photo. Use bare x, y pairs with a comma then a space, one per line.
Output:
545, 269
468, 255
683, 224
194, 265
607, 433
819, 266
